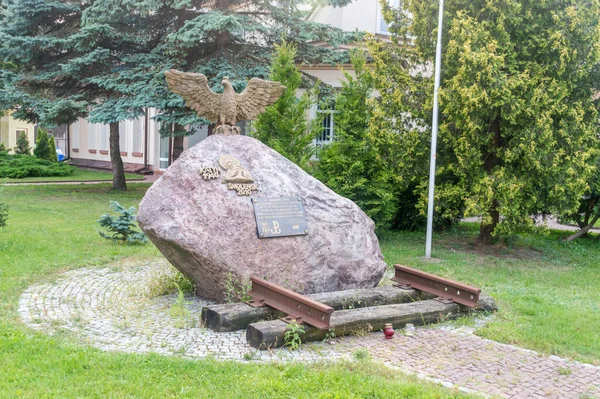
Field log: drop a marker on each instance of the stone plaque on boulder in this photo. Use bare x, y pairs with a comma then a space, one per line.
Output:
206, 226
280, 217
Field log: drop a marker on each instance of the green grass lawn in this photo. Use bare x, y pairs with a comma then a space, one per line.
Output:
548, 290
78, 175
52, 229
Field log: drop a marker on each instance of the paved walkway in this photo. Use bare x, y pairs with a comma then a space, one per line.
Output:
113, 309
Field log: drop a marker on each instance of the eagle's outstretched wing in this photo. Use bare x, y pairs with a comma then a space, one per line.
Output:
193, 87
258, 95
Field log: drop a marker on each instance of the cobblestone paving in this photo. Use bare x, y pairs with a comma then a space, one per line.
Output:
112, 309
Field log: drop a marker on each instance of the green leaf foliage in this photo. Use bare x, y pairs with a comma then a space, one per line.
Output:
121, 228
43, 148
109, 56
52, 145
20, 166
351, 165
518, 120
284, 125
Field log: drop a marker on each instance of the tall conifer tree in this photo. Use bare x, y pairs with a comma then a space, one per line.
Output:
109, 56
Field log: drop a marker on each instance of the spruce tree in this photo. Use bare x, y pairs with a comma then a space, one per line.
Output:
284, 125
109, 56
22, 146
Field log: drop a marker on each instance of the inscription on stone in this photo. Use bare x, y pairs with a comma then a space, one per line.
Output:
280, 217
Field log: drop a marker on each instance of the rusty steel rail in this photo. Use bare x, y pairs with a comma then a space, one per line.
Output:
296, 306
447, 290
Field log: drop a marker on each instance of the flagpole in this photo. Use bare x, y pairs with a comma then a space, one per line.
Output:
434, 132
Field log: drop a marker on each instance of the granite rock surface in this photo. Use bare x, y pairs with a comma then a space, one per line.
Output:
207, 230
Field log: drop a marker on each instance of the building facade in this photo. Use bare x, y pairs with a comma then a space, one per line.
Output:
11, 128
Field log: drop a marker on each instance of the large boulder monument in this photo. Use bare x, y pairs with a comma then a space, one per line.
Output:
230, 208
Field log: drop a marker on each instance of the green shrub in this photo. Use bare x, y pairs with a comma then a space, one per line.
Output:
351, 165
121, 228
3, 149
20, 166
22, 146
42, 148
52, 145
3, 208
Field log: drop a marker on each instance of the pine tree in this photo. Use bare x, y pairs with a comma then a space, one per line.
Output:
22, 146
284, 125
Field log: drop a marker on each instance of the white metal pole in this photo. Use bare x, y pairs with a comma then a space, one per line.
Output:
434, 132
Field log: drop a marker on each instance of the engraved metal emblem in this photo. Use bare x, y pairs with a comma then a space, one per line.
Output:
236, 177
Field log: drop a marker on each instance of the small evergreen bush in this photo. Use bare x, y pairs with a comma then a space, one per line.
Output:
42, 148
52, 145
3, 149
121, 228
22, 146
20, 166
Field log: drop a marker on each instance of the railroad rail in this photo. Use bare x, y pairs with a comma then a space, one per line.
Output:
447, 290
297, 307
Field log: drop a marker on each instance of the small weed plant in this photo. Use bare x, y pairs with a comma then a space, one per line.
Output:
293, 335
121, 228
180, 312
361, 354
329, 335
168, 281
236, 291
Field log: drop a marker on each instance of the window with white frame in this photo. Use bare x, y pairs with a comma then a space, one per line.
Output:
382, 26
75, 134
103, 133
138, 135
92, 131
326, 113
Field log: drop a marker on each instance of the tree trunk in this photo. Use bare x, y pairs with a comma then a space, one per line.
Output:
491, 161
177, 147
584, 230
177, 141
211, 128
115, 158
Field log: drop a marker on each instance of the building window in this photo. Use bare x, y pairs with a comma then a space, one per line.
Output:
19, 131
382, 26
103, 132
326, 113
138, 135
92, 129
123, 136
75, 134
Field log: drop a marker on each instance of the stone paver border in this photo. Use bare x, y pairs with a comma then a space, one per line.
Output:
112, 309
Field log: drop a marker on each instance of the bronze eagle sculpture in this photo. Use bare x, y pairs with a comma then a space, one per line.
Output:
229, 107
